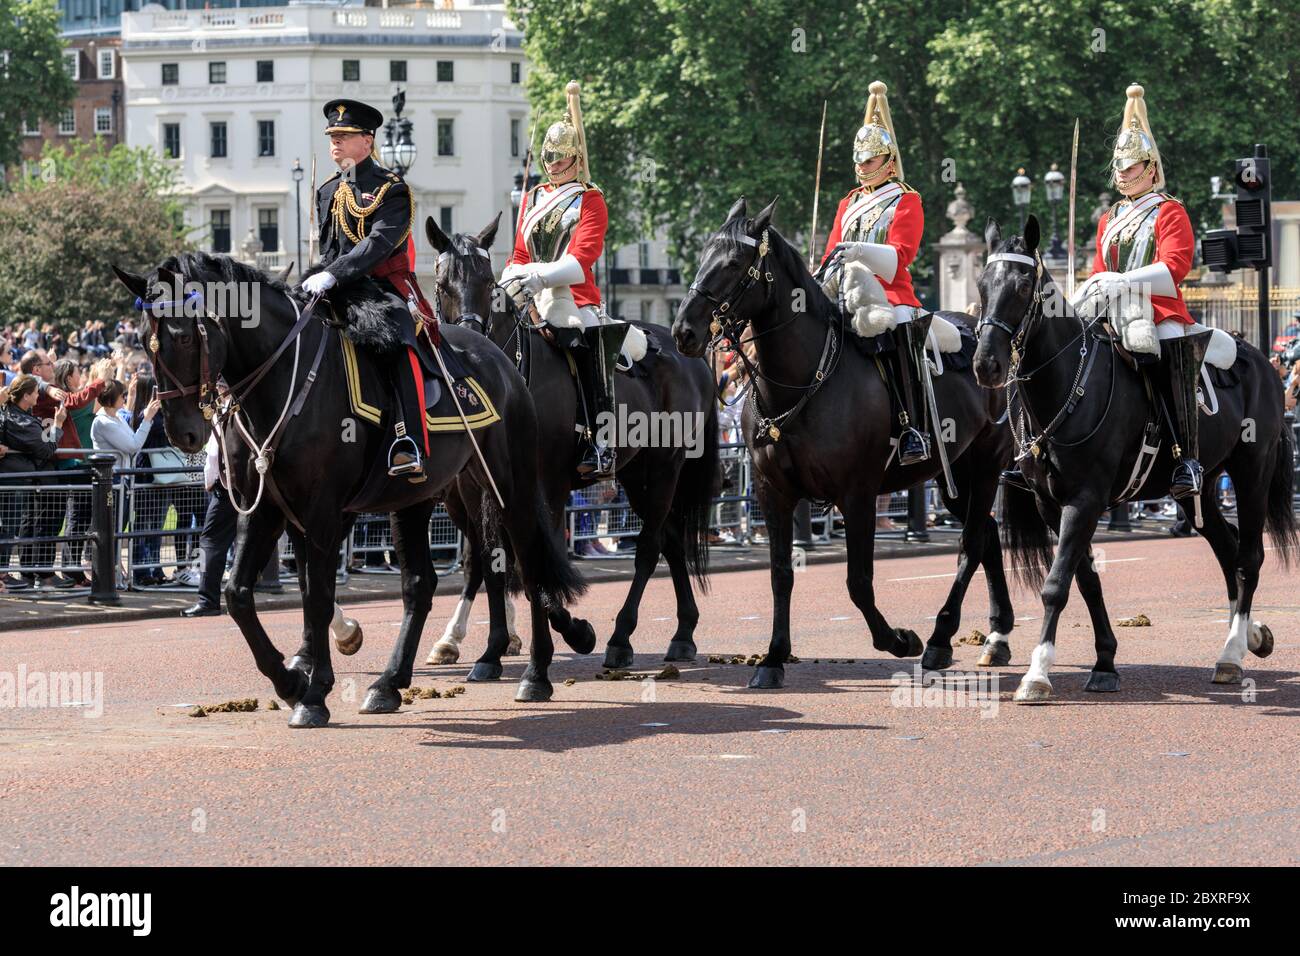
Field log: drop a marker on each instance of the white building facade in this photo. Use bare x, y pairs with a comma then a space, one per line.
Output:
236, 95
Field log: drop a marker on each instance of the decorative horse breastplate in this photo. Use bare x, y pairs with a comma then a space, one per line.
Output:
550, 228
1130, 243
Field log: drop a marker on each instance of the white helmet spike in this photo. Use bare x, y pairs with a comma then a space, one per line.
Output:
876, 137
1135, 142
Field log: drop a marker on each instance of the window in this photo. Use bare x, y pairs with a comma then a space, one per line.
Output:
103, 120
266, 137
647, 310
72, 63
643, 255
266, 71
444, 219
217, 72
515, 70
107, 65
514, 138
68, 123
351, 71
171, 74
446, 71
31, 127
446, 138
171, 137
218, 140
268, 229
397, 71
220, 230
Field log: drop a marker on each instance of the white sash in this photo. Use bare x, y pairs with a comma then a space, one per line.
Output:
1128, 217
550, 201
870, 201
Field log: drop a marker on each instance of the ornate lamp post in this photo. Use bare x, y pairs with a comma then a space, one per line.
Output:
1054, 183
297, 195
1021, 187
398, 151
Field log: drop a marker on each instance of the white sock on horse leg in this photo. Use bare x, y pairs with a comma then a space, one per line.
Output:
458, 626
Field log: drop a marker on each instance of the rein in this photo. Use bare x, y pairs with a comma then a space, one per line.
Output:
1028, 444
726, 324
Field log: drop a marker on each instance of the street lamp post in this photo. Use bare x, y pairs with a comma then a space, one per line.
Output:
516, 197
398, 151
297, 195
1021, 187
1054, 183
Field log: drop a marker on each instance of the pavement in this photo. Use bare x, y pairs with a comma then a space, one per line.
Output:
38, 608
849, 763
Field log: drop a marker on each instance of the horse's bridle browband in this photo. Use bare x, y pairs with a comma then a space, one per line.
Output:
724, 322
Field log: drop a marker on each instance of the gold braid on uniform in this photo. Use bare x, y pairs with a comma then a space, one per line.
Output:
345, 204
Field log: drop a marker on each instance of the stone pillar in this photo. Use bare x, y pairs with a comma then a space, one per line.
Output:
961, 256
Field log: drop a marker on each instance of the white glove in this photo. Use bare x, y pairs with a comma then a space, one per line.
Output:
880, 258
319, 282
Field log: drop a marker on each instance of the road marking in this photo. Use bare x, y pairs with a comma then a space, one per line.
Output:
655, 724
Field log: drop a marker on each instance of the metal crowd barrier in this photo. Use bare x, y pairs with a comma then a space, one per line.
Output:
114, 529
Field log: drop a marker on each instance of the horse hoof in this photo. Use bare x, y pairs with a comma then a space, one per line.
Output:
1264, 647
906, 643
617, 657
1033, 692
936, 658
1102, 682
1227, 673
680, 651
484, 670
767, 678
347, 646
995, 655
307, 716
381, 700
515, 646
532, 691
581, 636
443, 654
300, 664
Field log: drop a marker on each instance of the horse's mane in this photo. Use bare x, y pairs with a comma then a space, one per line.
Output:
788, 258
207, 266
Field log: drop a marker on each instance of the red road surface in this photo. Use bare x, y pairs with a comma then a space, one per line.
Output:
1172, 770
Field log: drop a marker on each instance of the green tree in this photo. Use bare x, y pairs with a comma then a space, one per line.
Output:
33, 83
61, 230
690, 103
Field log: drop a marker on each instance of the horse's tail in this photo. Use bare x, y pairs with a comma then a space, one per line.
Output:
554, 576
1026, 537
1280, 515
698, 482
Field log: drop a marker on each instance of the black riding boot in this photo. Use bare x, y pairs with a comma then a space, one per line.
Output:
1180, 360
596, 358
913, 447
405, 455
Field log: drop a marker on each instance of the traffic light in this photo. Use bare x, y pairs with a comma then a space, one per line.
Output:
1250, 245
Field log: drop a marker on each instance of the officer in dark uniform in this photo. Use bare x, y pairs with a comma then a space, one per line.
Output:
365, 213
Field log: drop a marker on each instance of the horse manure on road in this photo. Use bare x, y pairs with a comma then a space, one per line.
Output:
273, 704
975, 638
570, 681
1140, 621
412, 694
243, 706
669, 673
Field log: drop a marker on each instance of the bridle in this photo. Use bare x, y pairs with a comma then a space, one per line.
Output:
206, 386
1028, 443
727, 323
484, 323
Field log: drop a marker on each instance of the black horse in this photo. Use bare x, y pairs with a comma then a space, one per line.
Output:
1070, 382
321, 465
835, 444
669, 483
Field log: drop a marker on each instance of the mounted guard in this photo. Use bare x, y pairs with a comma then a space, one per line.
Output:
365, 213
1144, 250
559, 238
879, 225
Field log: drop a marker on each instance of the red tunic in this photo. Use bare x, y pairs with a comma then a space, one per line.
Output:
905, 230
1174, 245
586, 242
